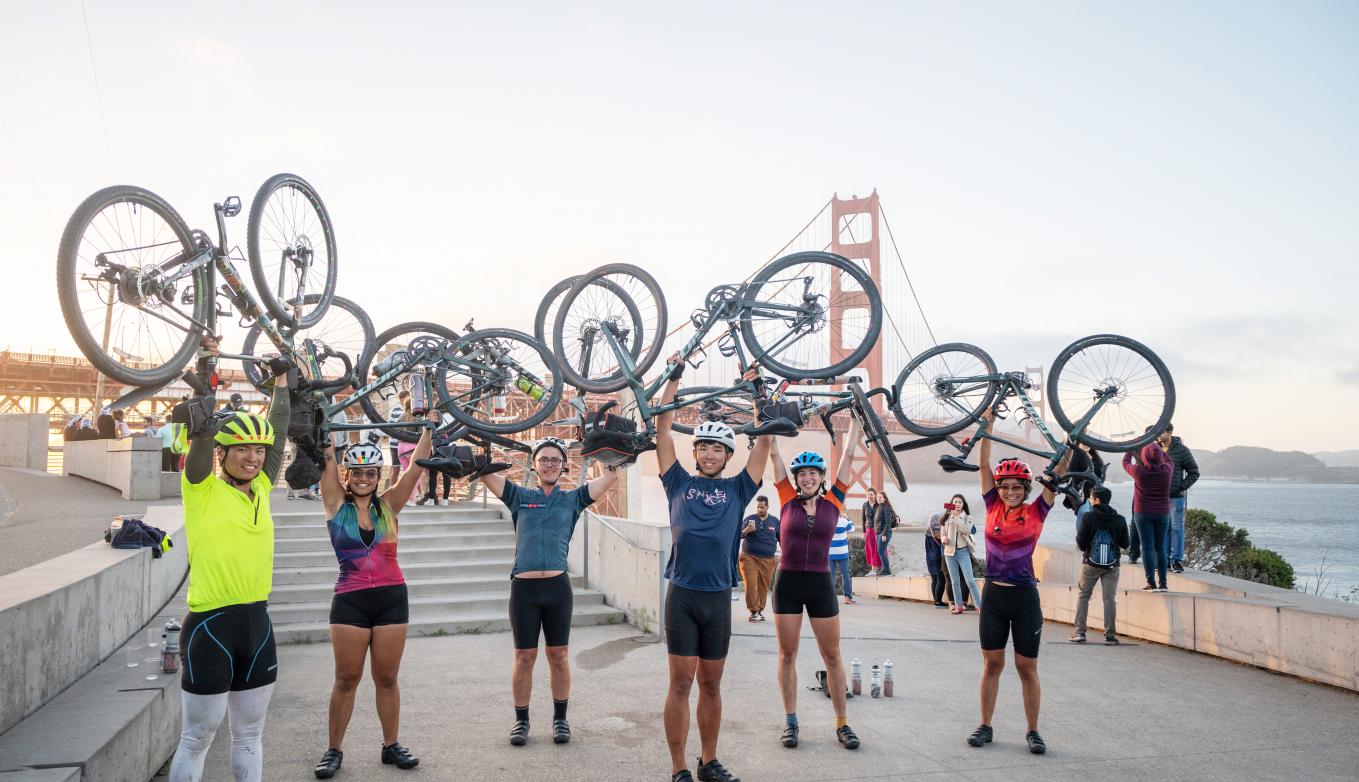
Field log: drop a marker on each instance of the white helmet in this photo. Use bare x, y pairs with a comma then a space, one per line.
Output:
717, 432
363, 455
550, 442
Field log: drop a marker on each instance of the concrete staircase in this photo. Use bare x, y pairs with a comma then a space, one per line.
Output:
456, 559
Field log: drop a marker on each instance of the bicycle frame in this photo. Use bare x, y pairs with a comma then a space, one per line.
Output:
1011, 387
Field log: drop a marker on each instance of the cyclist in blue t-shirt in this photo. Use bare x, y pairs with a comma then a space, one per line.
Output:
705, 526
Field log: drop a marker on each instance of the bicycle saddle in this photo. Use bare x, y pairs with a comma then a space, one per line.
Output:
956, 463
782, 426
458, 461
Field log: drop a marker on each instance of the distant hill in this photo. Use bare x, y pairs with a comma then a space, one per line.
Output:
1339, 458
1251, 463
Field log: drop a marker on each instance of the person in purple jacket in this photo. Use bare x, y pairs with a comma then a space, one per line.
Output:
1151, 509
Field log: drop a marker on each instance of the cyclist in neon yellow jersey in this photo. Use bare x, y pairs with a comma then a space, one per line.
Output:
227, 642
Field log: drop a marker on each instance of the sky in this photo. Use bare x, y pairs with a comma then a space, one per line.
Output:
1185, 173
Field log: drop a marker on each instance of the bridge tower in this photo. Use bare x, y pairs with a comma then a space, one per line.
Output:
854, 234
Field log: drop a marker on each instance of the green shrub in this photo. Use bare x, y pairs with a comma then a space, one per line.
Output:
858, 561
1208, 543
1259, 565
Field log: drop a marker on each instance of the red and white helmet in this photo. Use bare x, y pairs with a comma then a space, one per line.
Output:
1013, 468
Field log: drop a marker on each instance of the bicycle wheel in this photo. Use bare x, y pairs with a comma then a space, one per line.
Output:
547, 311
733, 408
393, 344
944, 389
499, 381
345, 328
629, 300
875, 435
292, 250
124, 290
800, 311
1142, 392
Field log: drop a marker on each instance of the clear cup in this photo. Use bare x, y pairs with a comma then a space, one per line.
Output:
153, 637
152, 673
134, 656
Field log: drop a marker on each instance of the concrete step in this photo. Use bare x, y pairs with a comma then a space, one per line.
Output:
449, 623
317, 527
407, 541
321, 591
490, 566
471, 603
291, 560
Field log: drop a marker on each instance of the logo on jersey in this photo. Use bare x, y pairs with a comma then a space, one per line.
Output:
711, 499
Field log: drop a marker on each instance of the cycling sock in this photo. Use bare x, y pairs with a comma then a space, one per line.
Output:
521, 714
841, 722
791, 719
558, 709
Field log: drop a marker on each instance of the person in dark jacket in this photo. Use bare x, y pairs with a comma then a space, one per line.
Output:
1084, 459
1151, 510
1184, 473
884, 518
1101, 516
934, 556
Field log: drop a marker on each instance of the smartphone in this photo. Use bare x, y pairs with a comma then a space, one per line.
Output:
950, 506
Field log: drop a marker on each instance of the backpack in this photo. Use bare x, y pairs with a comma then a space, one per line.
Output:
1103, 551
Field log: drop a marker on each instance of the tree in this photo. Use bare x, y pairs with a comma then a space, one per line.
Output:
1259, 565
1208, 543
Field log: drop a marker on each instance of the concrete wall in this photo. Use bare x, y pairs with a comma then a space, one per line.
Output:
626, 565
23, 441
59, 619
1301, 635
131, 465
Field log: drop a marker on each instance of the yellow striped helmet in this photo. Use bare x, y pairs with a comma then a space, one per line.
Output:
245, 429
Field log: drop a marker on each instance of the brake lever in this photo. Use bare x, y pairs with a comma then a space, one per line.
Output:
830, 428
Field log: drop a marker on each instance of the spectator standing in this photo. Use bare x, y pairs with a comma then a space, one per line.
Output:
956, 537
1100, 533
105, 425
884, 519
1184, 472
169, 460
934, 561
1151, 510
120, 427
759, 544
870, 537
839, 558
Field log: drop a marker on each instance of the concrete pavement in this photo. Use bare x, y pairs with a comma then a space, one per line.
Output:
1138, 711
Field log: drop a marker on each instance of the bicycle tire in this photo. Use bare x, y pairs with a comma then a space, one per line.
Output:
761, 352
875, 435
177, 353
734, 409
1065, 382
930, 381
258, 379
547, 311
363, 374
648, 345
548, 377
274, 301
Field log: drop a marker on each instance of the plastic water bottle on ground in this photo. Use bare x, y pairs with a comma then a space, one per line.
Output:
887, 679
856, 684
875, 685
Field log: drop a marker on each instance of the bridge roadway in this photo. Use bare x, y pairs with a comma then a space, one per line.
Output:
1139, 711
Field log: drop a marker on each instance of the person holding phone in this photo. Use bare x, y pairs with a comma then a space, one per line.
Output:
955, 533
759, 543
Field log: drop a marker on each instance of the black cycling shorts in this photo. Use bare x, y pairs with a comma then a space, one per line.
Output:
1007, 609
227, 649
697, 624
386, 605
798, 589
541, 605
